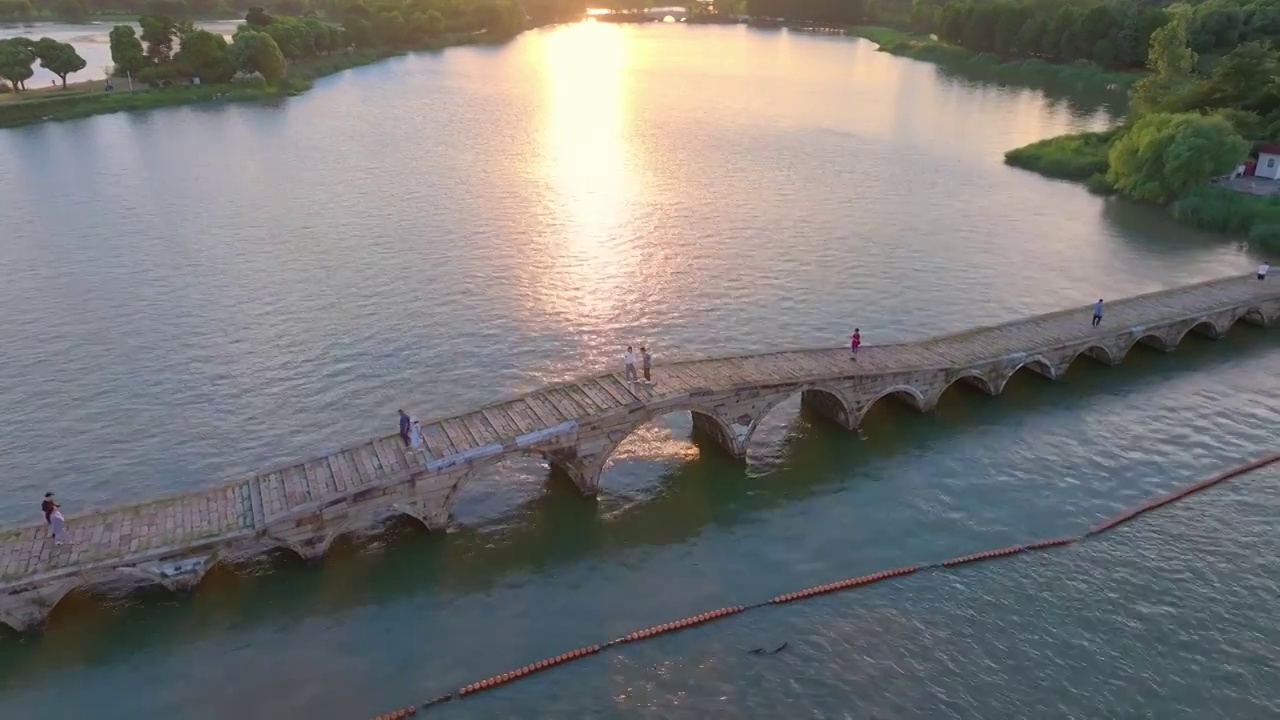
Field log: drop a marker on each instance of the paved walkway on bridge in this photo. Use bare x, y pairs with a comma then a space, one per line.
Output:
242, 507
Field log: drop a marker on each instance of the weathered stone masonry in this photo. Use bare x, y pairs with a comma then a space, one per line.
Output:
576, 426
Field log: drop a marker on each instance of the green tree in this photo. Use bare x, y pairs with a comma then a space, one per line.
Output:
59, 58
16, 59
203, 54
17, 9
1242, 75
158, 33
254, 51
1165, 155
1171, 62
126, 50
70, 10
258, 17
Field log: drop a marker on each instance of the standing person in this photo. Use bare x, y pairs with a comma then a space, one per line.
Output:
404, 426
415, 435
58, 525
48, 506
1263, 269
855, 342
1097, 313
646, 364
629, 364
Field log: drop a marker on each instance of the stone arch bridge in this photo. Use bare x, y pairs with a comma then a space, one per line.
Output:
576, 425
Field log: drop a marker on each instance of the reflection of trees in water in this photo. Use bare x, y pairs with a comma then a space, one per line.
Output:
1079, 102
1152, 229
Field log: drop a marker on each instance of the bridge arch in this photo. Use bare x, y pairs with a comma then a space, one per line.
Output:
976, 379
1038, 364
902, 393
1098, 353
1206, 327
365, 521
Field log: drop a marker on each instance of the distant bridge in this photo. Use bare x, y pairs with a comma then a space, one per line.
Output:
576, 426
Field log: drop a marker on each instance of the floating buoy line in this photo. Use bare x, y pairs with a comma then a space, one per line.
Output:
846, 584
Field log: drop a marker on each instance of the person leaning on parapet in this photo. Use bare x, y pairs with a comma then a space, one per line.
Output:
404, 426
48, 506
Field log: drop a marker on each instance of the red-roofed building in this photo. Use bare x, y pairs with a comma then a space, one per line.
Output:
1268, 161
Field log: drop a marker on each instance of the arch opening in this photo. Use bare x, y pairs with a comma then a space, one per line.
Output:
1156, 342
498, 489
1208, 329
1035, 366
639, 463
372, 533
102, 597
963, 394
258, 558
797, 415
892, 404
1097, 354
1255, 316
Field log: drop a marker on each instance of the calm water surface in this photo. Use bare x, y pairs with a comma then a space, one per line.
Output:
198, 292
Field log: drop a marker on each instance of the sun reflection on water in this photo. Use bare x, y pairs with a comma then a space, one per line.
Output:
589, 169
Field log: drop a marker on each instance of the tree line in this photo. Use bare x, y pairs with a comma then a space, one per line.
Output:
1111, 33
170, 49
18, 56
77, 10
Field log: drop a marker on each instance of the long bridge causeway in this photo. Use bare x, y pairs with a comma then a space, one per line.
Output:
576, 425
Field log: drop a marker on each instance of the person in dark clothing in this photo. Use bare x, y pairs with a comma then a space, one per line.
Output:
404, 427
48, 506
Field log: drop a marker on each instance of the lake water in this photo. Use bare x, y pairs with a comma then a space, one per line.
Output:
196, 292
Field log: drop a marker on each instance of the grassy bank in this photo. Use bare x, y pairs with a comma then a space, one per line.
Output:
1076, 156
1083, 157
89, 98
924, 47
1227, 211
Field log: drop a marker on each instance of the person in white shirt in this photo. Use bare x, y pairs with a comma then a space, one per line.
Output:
57, 524
1263, 269
415, 435
629, 364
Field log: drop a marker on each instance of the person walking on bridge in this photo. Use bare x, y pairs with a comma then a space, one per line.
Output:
1097, 313
629, 365
1263, 269
404, 426
855, 342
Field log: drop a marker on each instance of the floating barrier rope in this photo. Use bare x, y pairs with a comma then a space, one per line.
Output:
1102, 527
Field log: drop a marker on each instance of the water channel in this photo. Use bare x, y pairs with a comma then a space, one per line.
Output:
193, 293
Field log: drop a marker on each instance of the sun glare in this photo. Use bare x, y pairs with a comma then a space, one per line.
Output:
586, 156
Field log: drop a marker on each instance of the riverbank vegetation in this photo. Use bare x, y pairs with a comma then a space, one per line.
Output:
1210, 97
173, 62
1034, 70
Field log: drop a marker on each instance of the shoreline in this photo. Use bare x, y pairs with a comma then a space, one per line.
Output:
300, 78
1033, 71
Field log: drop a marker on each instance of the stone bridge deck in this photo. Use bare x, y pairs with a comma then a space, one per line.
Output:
576, 425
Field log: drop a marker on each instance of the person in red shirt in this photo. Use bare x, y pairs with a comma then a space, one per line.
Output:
855, 340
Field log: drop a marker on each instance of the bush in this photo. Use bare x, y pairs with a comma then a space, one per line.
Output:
1227, 211
1266, 237
1098, 184
4, 88
1079, 156
254, 80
